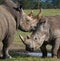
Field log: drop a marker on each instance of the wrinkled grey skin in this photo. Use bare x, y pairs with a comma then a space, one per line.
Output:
47, 32
7, 30
12, 17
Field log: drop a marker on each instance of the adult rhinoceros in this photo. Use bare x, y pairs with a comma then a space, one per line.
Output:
46, 32
12, 16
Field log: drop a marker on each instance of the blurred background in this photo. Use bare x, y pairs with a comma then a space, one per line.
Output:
36, 4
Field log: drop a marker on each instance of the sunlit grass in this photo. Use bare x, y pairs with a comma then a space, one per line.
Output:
45, 12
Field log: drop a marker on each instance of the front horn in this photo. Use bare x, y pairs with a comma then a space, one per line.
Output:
22, 39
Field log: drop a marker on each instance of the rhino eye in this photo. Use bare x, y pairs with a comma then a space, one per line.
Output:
28, 20
35, 38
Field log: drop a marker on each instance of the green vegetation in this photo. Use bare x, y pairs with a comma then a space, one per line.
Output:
34, 4
17, 43
46, 12
40, 3
25, 58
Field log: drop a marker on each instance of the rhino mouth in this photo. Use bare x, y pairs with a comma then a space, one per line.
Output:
24, 30
27, 46
29, 49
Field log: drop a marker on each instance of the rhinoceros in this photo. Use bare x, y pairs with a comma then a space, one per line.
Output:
47, 31
12, 17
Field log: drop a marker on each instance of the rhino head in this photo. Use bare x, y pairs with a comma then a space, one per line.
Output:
27, 22
24, 22
37, 38
32, 43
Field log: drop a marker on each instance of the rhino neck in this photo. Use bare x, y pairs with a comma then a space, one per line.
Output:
9, 4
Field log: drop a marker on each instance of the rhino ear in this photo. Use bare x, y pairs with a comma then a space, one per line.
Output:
17, 6
28, 36
21, 11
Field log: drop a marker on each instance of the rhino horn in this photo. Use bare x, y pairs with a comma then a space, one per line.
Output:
22, 39
28, 36
31, 14
39, 15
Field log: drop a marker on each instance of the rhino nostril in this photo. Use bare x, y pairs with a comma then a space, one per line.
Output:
29, 49
32, 49
34, 26
35, 38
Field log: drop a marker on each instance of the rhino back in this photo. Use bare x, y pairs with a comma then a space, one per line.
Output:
54, 22
7, 23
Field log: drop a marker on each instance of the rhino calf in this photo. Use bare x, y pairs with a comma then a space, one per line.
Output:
47, 32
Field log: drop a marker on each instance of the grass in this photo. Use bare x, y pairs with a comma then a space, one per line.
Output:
46, 12
17, 57
17, 42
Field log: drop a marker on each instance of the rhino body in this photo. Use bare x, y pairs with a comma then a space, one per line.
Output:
46, 32
7, 29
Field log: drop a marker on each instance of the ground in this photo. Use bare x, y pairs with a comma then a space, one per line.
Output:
17, 45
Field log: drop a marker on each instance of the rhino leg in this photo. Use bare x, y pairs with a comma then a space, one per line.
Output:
44, 51
58, 54
56, 48
6, 43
